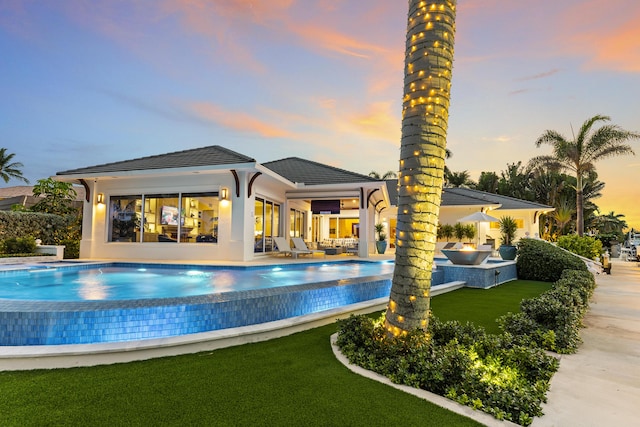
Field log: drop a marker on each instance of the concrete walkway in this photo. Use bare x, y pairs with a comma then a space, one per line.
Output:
600, 385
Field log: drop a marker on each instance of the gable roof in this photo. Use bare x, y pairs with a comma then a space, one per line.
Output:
457, 196
306, 172
214, 155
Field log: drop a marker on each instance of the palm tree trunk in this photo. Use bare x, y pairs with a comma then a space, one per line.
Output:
579, 205
427, 89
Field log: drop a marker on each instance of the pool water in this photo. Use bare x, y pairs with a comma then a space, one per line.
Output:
112, 282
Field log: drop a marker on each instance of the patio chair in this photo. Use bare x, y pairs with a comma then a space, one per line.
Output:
282, 247
301, 247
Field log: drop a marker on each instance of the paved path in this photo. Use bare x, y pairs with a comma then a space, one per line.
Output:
600, 385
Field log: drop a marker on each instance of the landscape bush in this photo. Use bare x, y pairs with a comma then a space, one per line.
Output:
506, 375
18, 245
553, 320
585, 246
461, 362
51, 229
539, 260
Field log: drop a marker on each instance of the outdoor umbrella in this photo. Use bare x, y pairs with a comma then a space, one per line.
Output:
478, 217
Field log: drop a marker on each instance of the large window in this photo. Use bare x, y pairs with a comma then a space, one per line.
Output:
124, 218
167, 218
267, 224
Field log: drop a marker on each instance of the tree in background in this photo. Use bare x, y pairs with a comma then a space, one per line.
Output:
58, 197
488, 182
459, 179
425, 113
10, 169
387, 175
580, 154
515, 181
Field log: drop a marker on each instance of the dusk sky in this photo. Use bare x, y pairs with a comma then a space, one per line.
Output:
90, 82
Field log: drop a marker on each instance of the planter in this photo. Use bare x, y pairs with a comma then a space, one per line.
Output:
381, 246
508, 252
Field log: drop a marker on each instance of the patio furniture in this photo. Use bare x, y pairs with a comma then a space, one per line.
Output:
300, 245
334, 251
282, 247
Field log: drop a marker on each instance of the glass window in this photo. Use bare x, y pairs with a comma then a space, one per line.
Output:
124, 218
162, 218
200, 218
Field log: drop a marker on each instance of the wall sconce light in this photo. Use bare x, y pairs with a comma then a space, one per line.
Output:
224, 194
100, 198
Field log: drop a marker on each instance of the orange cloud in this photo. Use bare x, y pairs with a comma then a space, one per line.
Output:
612, 43
237, 121
379, 121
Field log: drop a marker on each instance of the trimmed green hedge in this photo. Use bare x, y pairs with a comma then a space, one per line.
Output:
49, 228
539, 260
46, 227
553, 320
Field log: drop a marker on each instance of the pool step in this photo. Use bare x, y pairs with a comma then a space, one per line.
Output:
447, 287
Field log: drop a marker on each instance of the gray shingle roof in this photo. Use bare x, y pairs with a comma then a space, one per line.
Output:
311, 173
457, 196
206, 156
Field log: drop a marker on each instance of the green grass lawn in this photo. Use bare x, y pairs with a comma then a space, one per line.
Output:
290, 381
483, 306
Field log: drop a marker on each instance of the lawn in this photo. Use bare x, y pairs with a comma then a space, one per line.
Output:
293, 380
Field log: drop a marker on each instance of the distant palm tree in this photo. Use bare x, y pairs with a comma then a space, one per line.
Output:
611, 223
387, 175
580, 154
425, 113
459, 179
9, 169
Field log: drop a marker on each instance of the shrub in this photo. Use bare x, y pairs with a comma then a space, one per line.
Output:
585, 246
539, 260
553, 320
19, 245
461, 362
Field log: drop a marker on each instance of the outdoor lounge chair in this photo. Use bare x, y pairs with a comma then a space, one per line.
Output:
282, 247
301, 247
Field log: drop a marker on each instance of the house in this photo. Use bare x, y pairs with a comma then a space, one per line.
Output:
212, 203
22, 195
460, 202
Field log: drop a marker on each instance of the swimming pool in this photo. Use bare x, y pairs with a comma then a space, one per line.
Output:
102, 320
120, 281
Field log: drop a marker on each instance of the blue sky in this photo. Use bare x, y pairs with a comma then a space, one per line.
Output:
90, 82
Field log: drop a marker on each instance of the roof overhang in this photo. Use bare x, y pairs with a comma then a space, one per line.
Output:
152, 173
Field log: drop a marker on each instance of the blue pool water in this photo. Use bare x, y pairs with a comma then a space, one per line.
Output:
118, 282
74, 305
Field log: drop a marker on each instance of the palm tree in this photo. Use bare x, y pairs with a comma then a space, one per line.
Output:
580, 154
611, 223
387, 175
459, 179
9, 169
425, 112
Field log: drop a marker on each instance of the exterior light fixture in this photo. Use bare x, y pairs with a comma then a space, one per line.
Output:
100, 198
224, 194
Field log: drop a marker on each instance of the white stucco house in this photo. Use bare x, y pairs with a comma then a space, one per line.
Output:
212, 203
